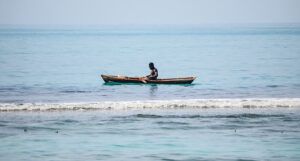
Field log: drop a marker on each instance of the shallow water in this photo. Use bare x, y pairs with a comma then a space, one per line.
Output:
64, 64
186, 134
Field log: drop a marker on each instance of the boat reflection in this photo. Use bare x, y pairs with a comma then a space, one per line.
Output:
153, 90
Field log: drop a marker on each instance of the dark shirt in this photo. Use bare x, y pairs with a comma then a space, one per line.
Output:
153, 75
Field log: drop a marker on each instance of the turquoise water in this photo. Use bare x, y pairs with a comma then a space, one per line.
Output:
64, 65
244, 104
182, 134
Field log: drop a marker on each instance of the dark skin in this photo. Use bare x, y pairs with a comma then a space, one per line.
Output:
153, 75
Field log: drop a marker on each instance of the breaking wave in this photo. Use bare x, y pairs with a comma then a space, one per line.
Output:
156, 104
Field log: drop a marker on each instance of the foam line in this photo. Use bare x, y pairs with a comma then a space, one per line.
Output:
156, 104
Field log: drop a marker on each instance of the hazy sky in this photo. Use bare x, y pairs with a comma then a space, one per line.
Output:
147, 12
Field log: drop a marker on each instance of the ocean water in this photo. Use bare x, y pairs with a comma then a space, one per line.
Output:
244, 104
64, 65
181, 134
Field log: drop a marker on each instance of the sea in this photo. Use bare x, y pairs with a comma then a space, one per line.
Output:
244, 104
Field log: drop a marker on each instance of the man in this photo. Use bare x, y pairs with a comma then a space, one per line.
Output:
153, 75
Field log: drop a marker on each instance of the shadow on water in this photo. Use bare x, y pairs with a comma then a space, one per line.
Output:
118, 84
147, 84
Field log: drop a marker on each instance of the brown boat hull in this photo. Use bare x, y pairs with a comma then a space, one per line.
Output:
124, 79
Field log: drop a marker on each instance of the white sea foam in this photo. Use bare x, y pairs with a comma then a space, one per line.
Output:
156, 104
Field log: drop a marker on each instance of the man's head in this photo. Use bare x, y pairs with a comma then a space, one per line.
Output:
151, 65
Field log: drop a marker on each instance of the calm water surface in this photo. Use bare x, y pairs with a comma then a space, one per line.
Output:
63, 65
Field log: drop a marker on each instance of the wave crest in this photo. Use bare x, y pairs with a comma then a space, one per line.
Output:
155, 104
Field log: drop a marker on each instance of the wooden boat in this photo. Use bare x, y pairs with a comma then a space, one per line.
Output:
125, 79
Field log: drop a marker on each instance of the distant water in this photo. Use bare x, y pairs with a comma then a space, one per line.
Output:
244, 104
64, 65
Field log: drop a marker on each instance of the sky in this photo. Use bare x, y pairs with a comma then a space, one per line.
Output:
147, 12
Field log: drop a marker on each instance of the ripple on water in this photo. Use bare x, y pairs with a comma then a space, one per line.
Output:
171, 123
33, 128
244, 115
274, 86
5, 135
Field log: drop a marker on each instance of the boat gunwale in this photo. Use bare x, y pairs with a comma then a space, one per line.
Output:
138, 78
125, 79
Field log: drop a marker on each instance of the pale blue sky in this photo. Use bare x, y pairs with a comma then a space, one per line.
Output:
147, 12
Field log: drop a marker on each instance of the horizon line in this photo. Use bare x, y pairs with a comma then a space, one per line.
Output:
283, 24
